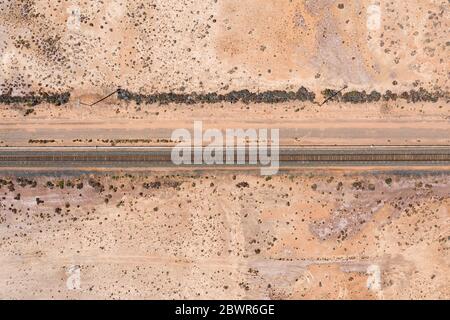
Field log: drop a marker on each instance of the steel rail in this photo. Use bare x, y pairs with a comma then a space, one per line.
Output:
160, 156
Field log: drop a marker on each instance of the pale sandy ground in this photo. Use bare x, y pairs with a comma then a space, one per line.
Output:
308, 234
299, 235
206, 45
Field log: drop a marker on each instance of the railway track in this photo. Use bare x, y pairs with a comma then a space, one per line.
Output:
123, 157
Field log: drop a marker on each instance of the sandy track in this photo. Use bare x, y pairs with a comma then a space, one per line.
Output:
314, 132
